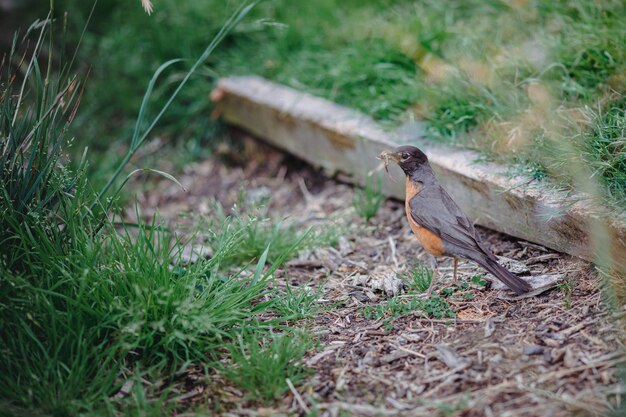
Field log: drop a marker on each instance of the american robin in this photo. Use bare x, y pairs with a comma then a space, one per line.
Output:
438, 223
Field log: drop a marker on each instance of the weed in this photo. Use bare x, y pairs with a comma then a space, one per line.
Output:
260, 231
437, 307
605, 150
260, 366
434, 307
454, 289
296, 304
418, 278
567, 287
478, 280
367, 200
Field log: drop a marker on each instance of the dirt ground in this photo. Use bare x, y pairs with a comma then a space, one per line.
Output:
554, 354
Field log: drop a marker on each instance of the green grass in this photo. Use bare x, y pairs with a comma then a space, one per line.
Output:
297, 303
87, 303
260, 229
567, 288
605, 146
417, 278
434, 307
367, 200
261, 366
508, 79
118, 301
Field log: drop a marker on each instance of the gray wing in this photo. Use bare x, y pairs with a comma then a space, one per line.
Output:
435, 210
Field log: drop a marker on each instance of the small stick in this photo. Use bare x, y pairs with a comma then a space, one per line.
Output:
392, 245
297, 396
409, 351
305, 192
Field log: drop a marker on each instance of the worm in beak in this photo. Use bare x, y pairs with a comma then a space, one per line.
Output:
384, 156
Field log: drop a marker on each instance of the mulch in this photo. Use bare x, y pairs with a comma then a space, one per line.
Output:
555, 354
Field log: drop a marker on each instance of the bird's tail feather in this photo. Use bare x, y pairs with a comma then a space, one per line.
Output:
518, 285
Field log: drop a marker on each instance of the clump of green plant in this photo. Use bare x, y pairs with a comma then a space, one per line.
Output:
434, 307
36, 185
261, 231
567, 287
297, 303
604, 147
261, 365
461, 289
367, 200
478, 280
437, 307
418, 278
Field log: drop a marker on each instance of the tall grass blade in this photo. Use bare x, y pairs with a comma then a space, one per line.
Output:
138, 136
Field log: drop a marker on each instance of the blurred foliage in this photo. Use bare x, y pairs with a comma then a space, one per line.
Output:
367, 200
517, 80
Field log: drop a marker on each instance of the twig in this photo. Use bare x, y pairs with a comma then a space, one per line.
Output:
359, 409
193, 393
572, 402
305, 191
126, 388
297, 396
392, 245
407, 350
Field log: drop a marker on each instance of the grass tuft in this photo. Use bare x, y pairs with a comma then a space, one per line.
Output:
261, 366
605, 147
367, 200
433, 307
418, 278
258, 231
297, 303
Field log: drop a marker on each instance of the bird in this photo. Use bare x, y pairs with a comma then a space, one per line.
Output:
439, 224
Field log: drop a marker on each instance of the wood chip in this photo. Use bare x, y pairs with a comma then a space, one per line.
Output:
451, 358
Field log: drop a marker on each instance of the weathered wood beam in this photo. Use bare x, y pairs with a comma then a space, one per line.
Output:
341, 140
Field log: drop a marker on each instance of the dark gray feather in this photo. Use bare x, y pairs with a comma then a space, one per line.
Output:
435, 210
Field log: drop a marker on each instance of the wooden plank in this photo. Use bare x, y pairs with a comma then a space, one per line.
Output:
341, 140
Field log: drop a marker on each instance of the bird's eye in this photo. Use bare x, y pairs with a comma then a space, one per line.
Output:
405, 155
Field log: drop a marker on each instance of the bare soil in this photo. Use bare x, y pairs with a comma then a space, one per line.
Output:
554, 354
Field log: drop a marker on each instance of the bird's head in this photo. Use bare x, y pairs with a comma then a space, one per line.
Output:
409, 158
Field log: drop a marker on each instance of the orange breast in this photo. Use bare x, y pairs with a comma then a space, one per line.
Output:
432, 243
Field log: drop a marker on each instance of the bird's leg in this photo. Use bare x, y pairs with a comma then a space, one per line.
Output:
433, 266
456, 264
